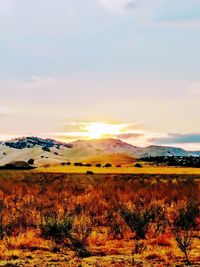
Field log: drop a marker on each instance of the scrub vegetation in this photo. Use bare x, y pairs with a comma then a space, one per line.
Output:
59, 219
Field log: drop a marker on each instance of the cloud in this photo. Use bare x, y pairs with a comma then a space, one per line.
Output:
180, 24
129, 135
4, 111
72, 136
175, 138
6, 137
92, 130
64, 137
194, 88
74, 127
165, 14
117, 5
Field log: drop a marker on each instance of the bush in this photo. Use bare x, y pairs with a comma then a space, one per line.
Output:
90, 172
116, 225
31, 161
71, 228
82, 228
184, 240
1, 220
88, 165
138, 221
107, 165
98, 165
78, 164
183, 226
138, 165
56, 229
186, 218
46, 149
1, 229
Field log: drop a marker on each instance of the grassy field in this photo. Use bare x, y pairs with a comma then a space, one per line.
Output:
146, 169
75, 219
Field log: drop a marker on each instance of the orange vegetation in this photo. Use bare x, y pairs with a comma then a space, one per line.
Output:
51, 219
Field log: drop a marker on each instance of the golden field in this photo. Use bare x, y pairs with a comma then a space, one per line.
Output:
141, 218
124, 169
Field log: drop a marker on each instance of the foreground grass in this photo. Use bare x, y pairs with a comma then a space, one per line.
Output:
47, 218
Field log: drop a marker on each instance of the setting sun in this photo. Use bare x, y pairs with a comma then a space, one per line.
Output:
100, 130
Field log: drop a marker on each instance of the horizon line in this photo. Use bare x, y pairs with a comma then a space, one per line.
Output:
103, 138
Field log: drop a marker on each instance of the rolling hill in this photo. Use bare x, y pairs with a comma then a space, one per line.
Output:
47, 151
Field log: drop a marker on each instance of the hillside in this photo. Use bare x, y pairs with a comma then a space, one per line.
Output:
47, 151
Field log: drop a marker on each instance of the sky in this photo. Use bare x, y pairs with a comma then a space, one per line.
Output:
86, 69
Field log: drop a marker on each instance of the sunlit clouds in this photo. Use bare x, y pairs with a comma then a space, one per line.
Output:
95, 130
99, 130
67, 109
126, 69
128, 132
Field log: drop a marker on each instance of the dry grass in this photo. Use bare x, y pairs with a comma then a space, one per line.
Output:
125, 169
53, 219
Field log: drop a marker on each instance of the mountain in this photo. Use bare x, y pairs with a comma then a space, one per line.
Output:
48, 151
113, 146
30, 142
108, 146
154, 151
43, 151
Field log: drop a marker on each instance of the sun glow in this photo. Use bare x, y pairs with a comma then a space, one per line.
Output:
100, 130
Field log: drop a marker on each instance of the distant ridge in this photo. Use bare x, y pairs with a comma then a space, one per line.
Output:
49, 151
28, 142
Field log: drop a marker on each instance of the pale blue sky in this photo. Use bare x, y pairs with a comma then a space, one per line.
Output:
100, 60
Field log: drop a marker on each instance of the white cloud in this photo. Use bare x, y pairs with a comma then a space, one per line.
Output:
142, 10
117, 5
3, 110
194, 88
181, 24
7, 9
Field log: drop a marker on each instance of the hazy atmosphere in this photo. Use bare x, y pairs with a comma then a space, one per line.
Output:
99, 133
101, 68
